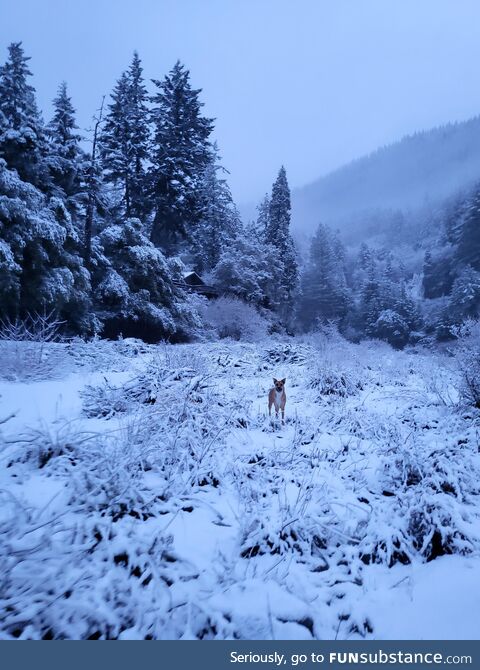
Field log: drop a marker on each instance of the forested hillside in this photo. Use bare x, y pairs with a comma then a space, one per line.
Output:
102, 239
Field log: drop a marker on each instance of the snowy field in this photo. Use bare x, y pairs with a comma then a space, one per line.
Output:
145, 493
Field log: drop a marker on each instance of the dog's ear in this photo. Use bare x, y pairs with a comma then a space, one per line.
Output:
283, 380
274, 380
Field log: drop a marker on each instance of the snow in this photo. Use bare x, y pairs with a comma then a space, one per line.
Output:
433, 601
145, 493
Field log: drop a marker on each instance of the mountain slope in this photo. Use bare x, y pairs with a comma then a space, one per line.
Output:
426, 166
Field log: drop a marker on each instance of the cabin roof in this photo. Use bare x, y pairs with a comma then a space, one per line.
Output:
192, 278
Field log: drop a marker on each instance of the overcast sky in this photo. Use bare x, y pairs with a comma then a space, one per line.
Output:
308, 83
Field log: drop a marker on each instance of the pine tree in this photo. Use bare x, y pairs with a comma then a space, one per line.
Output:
468, 252
428, 282
66, 159
324, 294
140, 137
263, 217
22, 138
407, 308
364, 256
438, 273
219, 219
371, 303
277, 233
135, 293
181, 153
465, 297
246, 269
124, 140
40, 263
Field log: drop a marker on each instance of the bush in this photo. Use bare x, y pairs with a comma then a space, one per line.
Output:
391, 327
231, 317
30, 348
469, 362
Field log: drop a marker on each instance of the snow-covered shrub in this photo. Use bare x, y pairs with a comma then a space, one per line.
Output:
107, 400
231, 317
103, 400
88, 579
39, 446
468, 357
108, 477
424, 512
286, 354
392, 327
330, 380
273, 524
31, 348
98, 354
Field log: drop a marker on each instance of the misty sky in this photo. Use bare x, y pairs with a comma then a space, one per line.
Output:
308, 83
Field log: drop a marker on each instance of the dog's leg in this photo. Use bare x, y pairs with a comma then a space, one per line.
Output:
283, 415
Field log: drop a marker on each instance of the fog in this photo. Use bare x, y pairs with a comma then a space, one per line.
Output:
309, 84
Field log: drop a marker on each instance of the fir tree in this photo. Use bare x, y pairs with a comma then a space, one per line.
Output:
263, 217
219, 219
468, 252
135, 293
41, 267
465, 297
371, 303
408, 309
66, 159
124, 140
277, 233
22, 138
364, 256
247, 269
324, 294
181, 153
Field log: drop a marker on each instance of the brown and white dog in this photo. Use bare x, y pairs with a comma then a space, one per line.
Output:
277, 397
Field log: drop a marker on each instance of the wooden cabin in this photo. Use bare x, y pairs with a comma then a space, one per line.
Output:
192, 282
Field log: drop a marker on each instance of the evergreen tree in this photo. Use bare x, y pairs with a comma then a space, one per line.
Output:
277, 233
124, 140
40, 263
468, 252
465, 297
371, 302
391, 327
364, 256
408, 309
181, 153
219, 219
324, 294
66, 159
428, 275
22, 138
263, 218
135, 294
247, 269
438, 273
453, 215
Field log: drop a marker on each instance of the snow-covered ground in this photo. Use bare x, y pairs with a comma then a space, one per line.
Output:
144, 493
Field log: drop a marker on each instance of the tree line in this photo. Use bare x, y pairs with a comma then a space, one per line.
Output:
104, 236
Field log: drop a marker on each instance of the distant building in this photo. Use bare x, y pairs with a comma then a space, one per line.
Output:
193, 283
